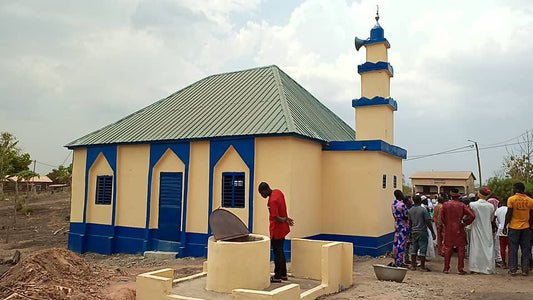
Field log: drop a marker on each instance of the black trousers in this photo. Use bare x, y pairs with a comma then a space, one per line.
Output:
280, 266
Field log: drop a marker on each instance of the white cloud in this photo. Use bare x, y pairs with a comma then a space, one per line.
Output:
461, 69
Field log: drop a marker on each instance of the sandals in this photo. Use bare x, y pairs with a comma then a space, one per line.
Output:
275, 280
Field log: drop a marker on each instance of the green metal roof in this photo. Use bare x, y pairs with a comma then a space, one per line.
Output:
254, 102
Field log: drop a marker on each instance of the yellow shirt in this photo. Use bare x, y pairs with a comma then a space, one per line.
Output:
521, 204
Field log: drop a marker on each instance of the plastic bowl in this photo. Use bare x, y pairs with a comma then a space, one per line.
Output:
384, 272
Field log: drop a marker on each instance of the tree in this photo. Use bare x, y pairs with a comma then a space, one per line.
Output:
26, 175
11, 160
8, 144
503, 187
61, 174
519, 163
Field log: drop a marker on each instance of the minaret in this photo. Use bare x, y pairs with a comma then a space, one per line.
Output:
374, 111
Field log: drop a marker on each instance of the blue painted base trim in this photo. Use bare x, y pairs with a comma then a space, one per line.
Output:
366, 145
363, 101
75, 242
100, 238
362, 245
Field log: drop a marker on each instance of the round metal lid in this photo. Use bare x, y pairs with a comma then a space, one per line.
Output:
227, 226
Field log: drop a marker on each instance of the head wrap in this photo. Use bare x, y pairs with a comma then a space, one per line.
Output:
484, 192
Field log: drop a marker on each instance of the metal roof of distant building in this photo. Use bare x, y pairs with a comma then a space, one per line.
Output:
442, 175
253, 102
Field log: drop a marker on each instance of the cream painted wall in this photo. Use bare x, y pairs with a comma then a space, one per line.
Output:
354, 202
274, 166
79, 162
132, 185
293, 166
374, 122
306, 190
99, 214
389, 165
231, 161
198, 191
169, 162
376, 52
375, 83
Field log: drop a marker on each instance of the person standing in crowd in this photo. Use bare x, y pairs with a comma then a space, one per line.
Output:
437, 219
409, 203
430, 253
503, 240
517, 227
279, 228
455, 215
401, 227
493, 199
468, 228
481, 240
419, 222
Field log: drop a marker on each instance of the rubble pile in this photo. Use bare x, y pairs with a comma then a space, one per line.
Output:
55, 274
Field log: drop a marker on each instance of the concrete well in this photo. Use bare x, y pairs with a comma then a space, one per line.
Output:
244, 264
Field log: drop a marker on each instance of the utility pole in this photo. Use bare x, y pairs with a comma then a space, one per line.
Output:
478, 163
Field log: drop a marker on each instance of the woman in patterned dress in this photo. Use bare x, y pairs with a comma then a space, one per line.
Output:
401, 226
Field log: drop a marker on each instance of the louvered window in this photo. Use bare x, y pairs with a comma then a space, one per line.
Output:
384, 181
233, 189
104, 187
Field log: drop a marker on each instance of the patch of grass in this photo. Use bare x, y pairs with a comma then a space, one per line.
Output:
24, 209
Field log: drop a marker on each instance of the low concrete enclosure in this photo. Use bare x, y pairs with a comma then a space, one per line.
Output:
232, 272
248, 263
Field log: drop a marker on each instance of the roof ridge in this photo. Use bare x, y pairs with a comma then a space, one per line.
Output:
316, 101
257, 101
283, 99
240, 71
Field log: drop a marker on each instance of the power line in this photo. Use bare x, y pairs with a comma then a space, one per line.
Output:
55, 166
516, 137
458, 150
439, 153
64, 161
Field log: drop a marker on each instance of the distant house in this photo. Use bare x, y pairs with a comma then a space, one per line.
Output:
41, 183
435, 182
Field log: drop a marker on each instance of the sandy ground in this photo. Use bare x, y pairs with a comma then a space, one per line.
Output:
95, 276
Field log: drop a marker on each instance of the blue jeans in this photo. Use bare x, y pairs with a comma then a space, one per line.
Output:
522, 238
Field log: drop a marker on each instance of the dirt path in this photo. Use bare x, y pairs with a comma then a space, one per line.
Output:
36, 232
435, 284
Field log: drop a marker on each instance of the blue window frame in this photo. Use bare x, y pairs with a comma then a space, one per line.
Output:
384, 181
233, 190
395, 181
104, 188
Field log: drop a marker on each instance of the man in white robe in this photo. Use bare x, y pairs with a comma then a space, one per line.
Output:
481, 259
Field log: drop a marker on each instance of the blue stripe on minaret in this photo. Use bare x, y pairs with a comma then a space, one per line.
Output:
380, 65
364, 101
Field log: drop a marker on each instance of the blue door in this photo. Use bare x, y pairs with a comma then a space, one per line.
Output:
170, 206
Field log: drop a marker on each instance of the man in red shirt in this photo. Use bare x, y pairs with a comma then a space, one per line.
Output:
279, 228
455, 216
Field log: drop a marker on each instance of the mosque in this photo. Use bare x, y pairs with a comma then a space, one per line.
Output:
150, 180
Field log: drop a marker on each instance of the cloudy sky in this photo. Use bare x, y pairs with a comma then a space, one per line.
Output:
68, 68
